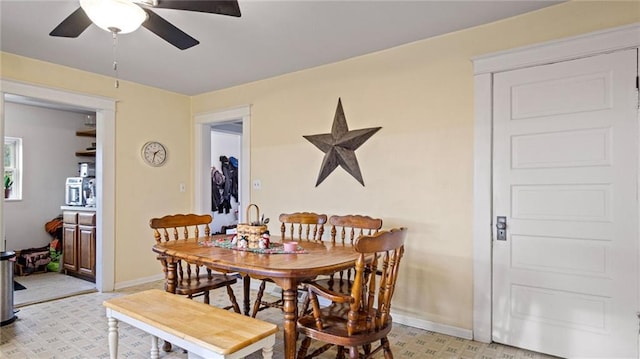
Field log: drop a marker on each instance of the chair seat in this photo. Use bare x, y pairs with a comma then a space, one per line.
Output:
204, 283
334, 319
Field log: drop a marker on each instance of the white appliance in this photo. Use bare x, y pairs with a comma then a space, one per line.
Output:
80, 191
87, 169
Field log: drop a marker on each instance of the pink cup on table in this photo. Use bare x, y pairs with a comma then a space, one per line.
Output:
290, 246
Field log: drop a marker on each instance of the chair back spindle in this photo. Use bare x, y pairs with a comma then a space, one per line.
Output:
345, 229
302, 226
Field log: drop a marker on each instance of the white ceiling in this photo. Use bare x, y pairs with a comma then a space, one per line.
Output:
269, 39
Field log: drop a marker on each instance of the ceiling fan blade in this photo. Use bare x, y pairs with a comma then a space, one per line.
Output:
222, 7
73, 25
168, 32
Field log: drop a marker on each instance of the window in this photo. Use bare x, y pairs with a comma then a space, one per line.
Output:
13, 167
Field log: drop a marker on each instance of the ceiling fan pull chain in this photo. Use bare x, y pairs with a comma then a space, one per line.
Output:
115, 57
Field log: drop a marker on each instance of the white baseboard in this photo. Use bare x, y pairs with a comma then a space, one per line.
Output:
139, 281
399, 318
431, 326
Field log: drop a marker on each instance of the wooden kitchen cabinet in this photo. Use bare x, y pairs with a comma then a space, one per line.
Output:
79, 244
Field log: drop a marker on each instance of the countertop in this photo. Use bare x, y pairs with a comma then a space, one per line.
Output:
78, 208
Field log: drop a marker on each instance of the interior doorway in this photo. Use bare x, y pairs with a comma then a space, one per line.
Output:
226, 146
49, 154
235, 121
105, 166
486, 229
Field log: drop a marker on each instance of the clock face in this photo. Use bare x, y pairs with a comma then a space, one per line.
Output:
154, 153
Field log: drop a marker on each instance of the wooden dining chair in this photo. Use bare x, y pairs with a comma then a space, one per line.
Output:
298, 226
192, 280
356, 321
344, 230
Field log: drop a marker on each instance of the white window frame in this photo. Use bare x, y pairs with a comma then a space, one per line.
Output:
15, 168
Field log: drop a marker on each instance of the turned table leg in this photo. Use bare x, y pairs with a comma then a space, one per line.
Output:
113, 337
172, 279
172, 282
290, 295
246, 283
155, 352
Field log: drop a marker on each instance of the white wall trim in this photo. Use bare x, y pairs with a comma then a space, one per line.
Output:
140, 281
202, 160
431, 326
57, 96
105, 166
615, 39
482, 208
485, 66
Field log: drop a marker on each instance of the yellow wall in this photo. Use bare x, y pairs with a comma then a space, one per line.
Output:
142, 113
417, 169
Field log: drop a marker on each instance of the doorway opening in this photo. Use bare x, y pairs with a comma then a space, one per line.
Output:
226, 147
234, 126
33, 221
104, 110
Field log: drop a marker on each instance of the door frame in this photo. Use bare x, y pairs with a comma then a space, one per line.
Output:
202, 158
485, 66
105, 166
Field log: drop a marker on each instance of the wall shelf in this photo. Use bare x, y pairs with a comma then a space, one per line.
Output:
88, 153
86, 133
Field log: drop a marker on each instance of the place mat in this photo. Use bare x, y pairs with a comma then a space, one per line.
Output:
274, 248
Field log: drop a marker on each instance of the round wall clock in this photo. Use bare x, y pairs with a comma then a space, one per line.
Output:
154, 153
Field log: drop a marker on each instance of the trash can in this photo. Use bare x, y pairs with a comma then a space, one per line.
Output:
7, 314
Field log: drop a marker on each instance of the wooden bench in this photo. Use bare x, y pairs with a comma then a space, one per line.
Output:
202, 330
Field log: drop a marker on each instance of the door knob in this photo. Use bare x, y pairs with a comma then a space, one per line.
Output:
501, 226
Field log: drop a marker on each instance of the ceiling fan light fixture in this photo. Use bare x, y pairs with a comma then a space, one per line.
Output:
117, 16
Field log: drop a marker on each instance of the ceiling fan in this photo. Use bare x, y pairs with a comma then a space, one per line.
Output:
123, 16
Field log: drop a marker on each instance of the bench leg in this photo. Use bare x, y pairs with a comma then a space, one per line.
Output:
267, 352
155, 352
113, 337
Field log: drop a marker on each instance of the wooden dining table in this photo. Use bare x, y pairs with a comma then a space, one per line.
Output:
286, 270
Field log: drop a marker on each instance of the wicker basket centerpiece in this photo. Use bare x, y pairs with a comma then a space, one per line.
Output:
252, 230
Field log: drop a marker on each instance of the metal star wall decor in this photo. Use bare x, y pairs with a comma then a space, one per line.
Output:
339, 146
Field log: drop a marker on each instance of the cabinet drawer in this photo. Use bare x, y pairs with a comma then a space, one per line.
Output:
87, 218
70, 217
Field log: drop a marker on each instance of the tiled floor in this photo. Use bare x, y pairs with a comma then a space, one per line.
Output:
42, 287
76, 328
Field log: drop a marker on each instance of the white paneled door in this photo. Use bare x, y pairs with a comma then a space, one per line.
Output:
565, 159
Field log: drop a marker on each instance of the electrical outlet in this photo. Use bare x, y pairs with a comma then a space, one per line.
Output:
257, 184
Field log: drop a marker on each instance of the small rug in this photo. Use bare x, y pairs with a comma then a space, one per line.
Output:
18, 286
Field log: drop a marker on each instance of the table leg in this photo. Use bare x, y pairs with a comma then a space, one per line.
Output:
113, 337
172, 281
246, 282
154, 353
290, 296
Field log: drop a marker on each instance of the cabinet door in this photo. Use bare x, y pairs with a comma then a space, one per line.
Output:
87, 250
69, 247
